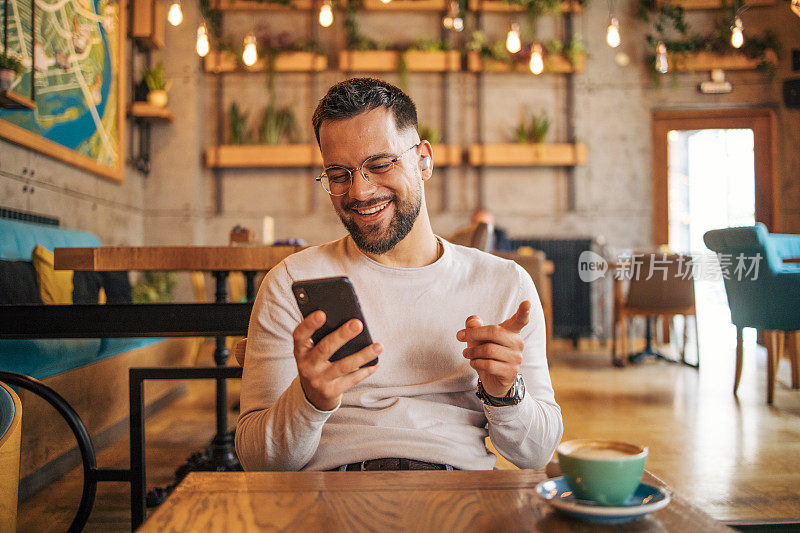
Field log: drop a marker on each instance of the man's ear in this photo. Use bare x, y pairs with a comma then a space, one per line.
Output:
426, 160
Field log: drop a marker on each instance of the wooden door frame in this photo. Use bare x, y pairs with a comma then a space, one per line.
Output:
764, 124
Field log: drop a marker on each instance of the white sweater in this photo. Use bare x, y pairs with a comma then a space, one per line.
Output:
420, 403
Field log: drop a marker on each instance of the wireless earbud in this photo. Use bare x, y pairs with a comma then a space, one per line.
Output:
426, 163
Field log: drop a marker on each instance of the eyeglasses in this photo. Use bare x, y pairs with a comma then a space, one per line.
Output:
337, 179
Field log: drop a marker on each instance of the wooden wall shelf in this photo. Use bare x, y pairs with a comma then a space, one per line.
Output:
713, 4
254, 5
148, 22
447, 155
498, 6
387, 60
221, 62
11, 100
403, 5
263, 155
491, 6
150, 113
703, 61
296, 155
553, 64
523, 155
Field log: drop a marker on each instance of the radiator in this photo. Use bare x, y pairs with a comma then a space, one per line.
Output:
572, 298
24, 216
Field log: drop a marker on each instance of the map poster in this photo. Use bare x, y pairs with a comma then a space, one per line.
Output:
78, 53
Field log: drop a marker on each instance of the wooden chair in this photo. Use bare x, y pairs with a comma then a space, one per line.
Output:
10, 433
238, 351
540, 269
478, 235
236, 287
660, 286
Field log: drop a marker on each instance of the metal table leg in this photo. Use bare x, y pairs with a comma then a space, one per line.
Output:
220, 456
648, 348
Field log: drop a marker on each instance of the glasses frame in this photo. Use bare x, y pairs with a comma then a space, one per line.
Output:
365, 175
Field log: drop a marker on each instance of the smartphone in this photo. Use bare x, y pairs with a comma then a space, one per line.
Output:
337, 298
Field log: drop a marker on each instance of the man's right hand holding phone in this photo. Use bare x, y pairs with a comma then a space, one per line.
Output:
325, 382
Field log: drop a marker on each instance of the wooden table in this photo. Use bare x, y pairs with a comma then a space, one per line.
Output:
499, 500
220, 260
205, 258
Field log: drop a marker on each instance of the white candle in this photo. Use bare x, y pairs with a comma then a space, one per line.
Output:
268, 230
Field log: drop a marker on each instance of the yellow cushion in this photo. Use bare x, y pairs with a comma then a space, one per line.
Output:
55, 286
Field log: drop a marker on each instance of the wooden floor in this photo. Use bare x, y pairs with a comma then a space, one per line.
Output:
739, 460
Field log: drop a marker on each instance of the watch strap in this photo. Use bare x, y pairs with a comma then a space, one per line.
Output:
513, 397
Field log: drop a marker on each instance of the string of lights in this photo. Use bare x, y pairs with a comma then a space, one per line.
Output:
452, 20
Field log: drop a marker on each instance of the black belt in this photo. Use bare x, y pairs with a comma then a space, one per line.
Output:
393, 463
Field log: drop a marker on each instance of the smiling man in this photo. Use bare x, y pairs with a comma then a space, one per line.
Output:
460, 333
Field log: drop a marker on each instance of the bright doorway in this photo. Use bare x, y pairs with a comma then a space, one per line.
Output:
713, 169
711, 185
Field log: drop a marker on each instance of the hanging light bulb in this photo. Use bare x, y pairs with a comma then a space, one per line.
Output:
513, 43
737, 34
386, 1
326, 14
662, 64
537, 62
452, 20
202, 40
250, 54
175, 15
612, 34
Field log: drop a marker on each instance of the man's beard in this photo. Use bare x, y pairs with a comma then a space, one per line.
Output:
373, 242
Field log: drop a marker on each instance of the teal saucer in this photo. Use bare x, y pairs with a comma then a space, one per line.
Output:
646, 499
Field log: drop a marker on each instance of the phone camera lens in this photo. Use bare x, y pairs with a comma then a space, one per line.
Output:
301, 295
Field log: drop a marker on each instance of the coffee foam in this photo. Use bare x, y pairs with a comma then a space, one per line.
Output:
591, 449
595, 452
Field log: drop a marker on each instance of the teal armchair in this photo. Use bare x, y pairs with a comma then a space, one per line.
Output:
767, 299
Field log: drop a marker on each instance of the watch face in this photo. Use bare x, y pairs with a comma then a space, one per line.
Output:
520, 388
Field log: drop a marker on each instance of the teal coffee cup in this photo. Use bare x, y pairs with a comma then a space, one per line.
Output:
606, 472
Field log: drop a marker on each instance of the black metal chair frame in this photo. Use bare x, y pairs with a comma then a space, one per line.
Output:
91, 474
102, 321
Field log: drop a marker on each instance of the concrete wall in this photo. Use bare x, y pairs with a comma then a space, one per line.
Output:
30, 181
182, 202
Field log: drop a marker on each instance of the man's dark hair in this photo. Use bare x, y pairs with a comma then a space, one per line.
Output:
352, 97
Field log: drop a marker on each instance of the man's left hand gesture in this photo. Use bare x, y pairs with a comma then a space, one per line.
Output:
495, 351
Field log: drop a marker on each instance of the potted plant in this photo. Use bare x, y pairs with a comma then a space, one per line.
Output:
155, 287
10, 68
237, 124
157, 85
277, 123
535, 132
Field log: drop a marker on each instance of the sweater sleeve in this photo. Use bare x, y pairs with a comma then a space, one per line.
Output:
278, 428
527, 433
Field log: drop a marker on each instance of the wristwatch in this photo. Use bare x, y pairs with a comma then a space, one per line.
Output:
513, 397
